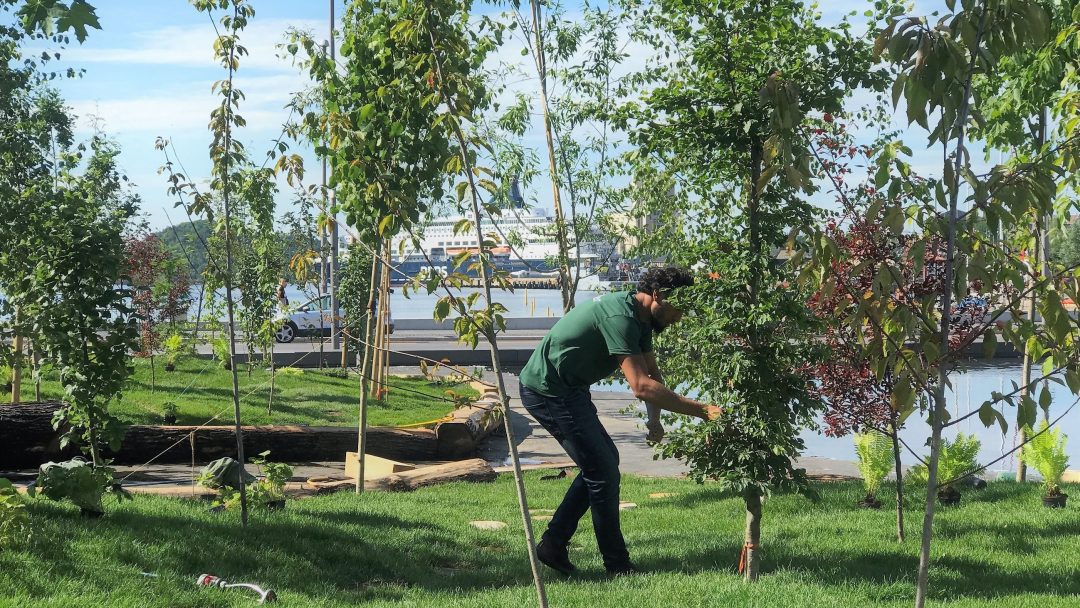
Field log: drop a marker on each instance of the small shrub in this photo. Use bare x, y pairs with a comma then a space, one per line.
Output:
335, 372
221, 352
271, 487
5, 378
957, 457
431, 374
294, 372
223, 476
169, 410
78, 481
174, 348
1046, 454
14, 522
875, 460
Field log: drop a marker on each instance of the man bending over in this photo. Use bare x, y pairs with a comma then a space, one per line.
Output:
587, 345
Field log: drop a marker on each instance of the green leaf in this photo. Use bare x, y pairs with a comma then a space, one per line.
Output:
79, 17
1072, 378
1045, 400
1026, 412
988, 415
385, 224
366, 111
442, 308
989, 344
903, 395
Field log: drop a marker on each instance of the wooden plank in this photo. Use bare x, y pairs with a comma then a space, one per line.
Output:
475, 470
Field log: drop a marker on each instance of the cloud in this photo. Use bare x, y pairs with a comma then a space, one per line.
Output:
188, 107
192, 46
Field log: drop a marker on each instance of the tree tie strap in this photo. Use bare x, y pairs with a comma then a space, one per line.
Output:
743, 562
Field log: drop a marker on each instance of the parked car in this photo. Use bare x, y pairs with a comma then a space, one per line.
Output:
312, 318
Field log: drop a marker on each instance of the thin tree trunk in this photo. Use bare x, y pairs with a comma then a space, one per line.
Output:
384, 325
750, 562
273, 379
560, 220
895, 437
345, 329
376, 355
229, 294
751, 555
938, 408
489, 330
198, 319
1039, 232
16, 364
365, 369
37, 372
380, 355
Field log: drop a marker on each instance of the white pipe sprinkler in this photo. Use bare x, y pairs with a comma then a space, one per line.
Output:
209, 580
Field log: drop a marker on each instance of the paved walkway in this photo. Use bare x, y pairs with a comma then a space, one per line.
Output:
536, 445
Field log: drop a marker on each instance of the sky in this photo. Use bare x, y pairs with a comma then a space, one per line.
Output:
149, 71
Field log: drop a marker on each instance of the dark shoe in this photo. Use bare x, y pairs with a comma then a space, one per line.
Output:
554, 557
626, 569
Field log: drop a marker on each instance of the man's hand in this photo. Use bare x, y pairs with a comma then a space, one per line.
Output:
656, 431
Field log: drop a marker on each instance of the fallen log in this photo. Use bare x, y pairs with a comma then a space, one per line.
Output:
285, 443
467, 427
475, 470
27, 440
27, 436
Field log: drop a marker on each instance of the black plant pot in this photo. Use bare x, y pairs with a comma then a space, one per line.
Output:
1056, 501
949, 496
170, 367
275, 505
870, 502
91, 514
169, 419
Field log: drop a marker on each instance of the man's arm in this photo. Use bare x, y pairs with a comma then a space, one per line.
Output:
652, 422
655, 394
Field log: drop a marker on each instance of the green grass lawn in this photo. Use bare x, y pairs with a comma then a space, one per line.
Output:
201, 388
999, 548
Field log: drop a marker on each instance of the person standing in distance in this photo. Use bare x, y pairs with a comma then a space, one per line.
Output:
587, 345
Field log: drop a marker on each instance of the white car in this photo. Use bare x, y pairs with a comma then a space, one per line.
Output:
312, 318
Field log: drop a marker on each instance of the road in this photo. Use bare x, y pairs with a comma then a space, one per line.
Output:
515, 347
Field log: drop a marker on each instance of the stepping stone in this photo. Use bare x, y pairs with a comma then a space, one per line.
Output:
488, 525
541, 518
542, 511
659, 495
624, 506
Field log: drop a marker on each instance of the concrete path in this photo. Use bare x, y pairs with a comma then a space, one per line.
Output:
536, 445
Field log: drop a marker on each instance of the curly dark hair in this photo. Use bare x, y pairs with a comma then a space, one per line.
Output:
664, 279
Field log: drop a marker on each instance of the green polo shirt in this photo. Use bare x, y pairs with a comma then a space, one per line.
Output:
580, 349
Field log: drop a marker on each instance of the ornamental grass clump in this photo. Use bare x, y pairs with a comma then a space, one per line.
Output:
958, 457
1046, 454
874, 452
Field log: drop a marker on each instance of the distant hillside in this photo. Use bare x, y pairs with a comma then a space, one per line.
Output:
188, 233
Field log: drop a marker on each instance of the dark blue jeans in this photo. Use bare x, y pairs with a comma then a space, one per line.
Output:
572, 421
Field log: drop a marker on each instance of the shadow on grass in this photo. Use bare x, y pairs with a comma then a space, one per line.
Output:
354, 555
